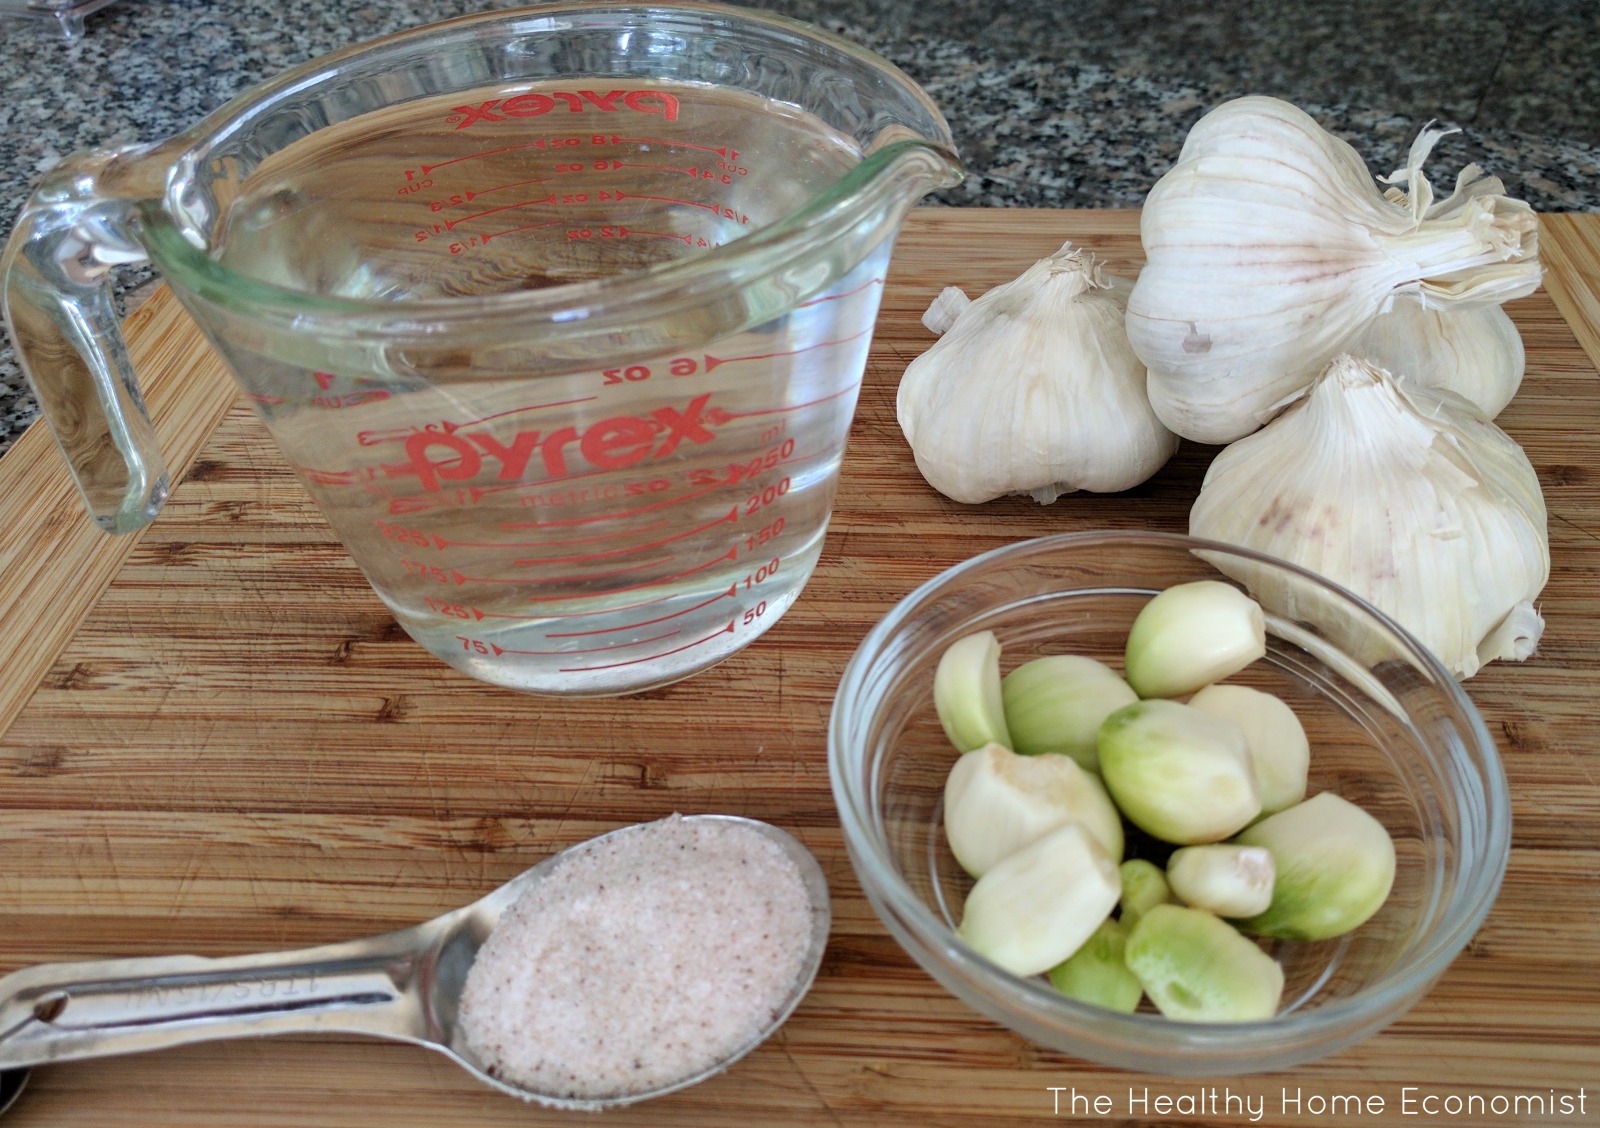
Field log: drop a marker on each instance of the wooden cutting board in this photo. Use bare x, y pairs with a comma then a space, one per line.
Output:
214, 739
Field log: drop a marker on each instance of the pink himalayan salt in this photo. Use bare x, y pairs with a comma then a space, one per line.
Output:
640, 960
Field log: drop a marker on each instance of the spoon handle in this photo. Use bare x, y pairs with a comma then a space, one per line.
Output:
66, 1011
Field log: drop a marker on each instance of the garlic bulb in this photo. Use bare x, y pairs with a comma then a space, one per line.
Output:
1405, 495
1269, 249
1032, 389
1475, 351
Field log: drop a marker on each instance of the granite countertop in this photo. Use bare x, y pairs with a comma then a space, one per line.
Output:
1080, 104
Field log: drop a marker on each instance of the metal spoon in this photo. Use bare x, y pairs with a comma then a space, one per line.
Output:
401, 985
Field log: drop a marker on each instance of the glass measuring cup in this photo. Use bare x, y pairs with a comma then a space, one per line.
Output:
558, 313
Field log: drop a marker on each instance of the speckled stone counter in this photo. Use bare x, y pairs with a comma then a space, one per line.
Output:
1060, 103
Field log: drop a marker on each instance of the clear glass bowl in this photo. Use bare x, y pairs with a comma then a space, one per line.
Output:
1390, 730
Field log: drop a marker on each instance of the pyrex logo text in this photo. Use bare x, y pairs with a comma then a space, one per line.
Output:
533, 105
614, 443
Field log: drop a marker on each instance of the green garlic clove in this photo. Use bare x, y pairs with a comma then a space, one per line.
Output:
1056, 704
1231, 881
966, 693
1335, 867
1037, 906
1144, 886
1096, 974
1278, 745
1191, 635
1177, 773
996, 802
1197, 968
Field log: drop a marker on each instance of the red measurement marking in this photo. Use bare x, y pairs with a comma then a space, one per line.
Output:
608, 516
729, 594
722, 152
267, 401
441, 542
460, 579
846, 294
524, 227
499, 650
659, 234
400, 434
731, 554
452, 224
793, 407
713, 362
663, 168
670, 200
652, 657
427, 168
471, 195
731, 516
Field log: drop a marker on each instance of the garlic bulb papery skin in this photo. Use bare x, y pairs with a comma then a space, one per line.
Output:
1405, 495
1033, 389
1270, 248
1475, 351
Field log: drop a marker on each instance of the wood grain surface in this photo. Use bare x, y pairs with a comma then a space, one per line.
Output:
220, 742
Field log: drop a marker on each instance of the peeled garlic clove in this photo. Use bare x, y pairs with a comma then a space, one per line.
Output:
1269, 249
1197, 968
1474, 351
1405, 495
996, 802
1191, 635
1033, 389
1179, 774
1096, 974
966, 693
1278, 745
1056, 704
1231, 881
1038, 906
1335, 867
1144, 887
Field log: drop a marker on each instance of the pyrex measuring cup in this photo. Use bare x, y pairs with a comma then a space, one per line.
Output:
558, 313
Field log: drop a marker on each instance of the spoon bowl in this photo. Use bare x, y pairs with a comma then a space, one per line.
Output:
405, 986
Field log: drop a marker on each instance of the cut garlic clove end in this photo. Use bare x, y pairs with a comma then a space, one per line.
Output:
1231, 881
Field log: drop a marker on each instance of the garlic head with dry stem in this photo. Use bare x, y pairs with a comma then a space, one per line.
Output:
1270, 248
1032, 389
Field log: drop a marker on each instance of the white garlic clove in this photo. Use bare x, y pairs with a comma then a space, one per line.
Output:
996, 802
1038, 905
1269, 249
1229, 880
1405, 495
1033, 389
1474, 351
1279, 750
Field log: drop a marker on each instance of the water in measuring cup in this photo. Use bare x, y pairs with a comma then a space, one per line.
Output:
598, 532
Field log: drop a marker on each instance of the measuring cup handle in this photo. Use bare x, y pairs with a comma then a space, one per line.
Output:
59, 310
70, 1011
